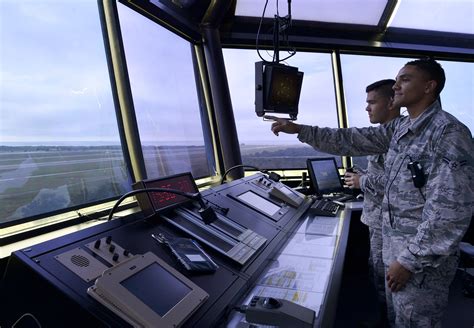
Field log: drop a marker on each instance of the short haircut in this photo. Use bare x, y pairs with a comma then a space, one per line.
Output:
433, 69
383, 87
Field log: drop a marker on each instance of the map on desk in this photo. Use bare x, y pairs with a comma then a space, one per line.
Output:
301, 245
319, 225
291, 273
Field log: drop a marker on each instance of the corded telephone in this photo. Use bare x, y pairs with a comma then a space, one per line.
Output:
286, 194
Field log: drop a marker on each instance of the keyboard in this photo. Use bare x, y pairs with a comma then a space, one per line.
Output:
324, 207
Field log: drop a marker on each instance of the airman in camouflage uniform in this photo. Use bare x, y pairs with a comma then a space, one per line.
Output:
372, 181
422, 226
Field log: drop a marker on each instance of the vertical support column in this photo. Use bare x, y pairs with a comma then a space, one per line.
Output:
340, 98
211, 137
229, 142
125, 109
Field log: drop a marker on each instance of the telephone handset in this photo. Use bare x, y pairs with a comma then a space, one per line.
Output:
286, 194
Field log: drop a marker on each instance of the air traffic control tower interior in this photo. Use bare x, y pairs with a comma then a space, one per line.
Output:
141, 184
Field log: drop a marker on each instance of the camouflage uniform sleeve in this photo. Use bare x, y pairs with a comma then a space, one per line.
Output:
350, 141
449, 201
373, 184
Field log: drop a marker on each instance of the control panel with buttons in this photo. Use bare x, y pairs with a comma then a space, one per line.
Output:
108, 250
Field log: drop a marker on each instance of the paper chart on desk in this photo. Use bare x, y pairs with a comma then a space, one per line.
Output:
300, 246
319, 225
290, 272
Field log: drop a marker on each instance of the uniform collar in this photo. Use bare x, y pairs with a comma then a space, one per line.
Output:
425, 116
420, 122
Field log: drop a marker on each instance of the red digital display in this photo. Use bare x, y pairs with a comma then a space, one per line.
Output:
160, 200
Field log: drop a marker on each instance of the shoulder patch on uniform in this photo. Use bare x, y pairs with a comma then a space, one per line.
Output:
454, 165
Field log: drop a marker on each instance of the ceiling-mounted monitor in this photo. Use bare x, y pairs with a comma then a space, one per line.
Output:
277, 89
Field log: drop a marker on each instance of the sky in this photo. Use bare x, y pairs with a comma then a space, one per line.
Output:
54, 78
417, 14
54, 82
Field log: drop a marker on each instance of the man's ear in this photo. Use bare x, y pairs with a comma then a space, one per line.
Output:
430, 86
390, 104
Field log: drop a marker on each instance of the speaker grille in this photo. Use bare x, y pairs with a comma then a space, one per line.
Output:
80, 260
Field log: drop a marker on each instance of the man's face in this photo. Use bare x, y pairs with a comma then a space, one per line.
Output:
412, 85
377, 107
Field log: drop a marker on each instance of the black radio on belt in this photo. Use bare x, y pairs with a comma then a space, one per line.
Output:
417, 173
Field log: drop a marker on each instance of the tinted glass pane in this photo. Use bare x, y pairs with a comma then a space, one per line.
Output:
258, 145
59, 143
448, 16
165, 98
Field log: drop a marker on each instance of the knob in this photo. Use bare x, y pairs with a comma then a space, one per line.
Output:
112, 248
108, 240
115, 257
97, 244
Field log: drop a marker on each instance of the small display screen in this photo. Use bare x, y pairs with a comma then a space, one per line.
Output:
156, 288
259, 202
325, 176
161, 200
284, 88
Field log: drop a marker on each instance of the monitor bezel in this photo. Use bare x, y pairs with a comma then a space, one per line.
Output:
148, 184
314, 182
109, 290
265, 73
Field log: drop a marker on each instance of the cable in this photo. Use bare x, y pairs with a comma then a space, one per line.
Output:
271, 175
237, 166
207, 213
26, 315
258, 32
390, 185
276, 33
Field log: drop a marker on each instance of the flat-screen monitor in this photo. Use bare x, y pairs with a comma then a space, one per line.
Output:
277, 89
147, 292
324, 175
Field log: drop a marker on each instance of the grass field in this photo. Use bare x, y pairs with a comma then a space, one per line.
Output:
41, 179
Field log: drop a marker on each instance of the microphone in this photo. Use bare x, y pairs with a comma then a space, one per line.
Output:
206, 212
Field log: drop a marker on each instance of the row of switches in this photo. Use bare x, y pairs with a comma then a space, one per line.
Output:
109, 250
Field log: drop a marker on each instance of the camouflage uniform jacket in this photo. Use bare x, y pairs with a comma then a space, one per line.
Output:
372, 183
425, 224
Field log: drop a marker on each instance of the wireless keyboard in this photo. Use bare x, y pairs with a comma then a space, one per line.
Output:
324, 207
